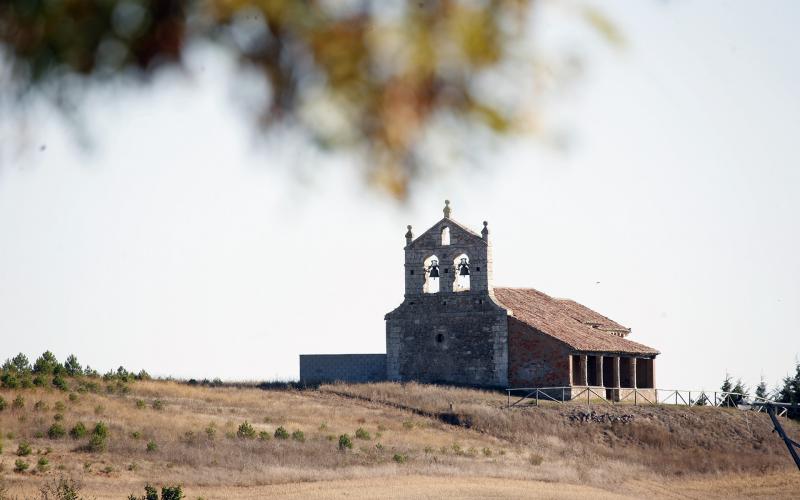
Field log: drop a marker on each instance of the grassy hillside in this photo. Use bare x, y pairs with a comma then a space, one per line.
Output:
167, 433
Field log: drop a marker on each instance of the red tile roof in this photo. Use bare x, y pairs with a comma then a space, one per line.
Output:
574, 324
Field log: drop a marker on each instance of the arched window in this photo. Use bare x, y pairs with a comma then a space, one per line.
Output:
445, 236
461, 266
432, 276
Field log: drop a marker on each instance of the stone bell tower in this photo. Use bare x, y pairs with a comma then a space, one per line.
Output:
449, 328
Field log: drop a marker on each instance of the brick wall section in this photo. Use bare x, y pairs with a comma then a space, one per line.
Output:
535, 359
315, 368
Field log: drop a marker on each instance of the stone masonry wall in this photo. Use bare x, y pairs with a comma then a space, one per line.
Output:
316, 368
448, 337
535, 359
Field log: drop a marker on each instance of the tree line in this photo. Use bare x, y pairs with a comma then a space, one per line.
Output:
47, 370
788, 391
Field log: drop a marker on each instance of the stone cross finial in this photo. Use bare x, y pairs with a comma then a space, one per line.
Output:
409, 235
446, 209
485, 231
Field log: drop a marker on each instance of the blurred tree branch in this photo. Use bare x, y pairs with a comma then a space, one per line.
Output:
368, 76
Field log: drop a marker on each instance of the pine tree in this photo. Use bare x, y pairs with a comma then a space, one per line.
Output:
72, 366
790, 392
46, 363
761, 389
726, 387
740, 393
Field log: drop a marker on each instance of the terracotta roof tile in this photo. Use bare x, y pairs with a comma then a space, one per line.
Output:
569, 322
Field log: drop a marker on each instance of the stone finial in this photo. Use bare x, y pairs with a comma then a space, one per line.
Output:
447, 209
409, 235
485, 231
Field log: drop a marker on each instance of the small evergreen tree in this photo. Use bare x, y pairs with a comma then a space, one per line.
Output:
46, 363
726, 387
740, 393
761, 389
790, 392
72, 367
21, 363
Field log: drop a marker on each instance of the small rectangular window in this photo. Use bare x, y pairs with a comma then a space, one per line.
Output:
477, 268
411, 272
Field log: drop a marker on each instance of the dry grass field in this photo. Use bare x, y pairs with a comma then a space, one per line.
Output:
406, 443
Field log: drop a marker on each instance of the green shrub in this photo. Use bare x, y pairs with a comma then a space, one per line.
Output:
158, 404
408, 424
24, 449
264, 436
362, 433
62, 489
140, 404
100, 429
211, 432
73, 397
246, 431
299, 436
78, 431
40, 406
58, 417
136, 435
399, 458
60, 383
38, 434
38, 381
281, 433
59, 406
535, 459
171, 493
345, 443
3, 403
99, 409
97, 442
487, 452
42, 464
56, 431
152, 446
20, 465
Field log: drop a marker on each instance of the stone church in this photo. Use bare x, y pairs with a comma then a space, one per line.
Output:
455, 327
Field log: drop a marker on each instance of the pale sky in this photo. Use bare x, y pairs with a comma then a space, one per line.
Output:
177, 243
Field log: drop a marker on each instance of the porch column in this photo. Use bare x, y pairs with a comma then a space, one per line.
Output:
633, 372
583, 370
615, 372
598, 371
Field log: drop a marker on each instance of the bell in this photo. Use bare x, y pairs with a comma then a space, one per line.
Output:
434, 269
463, 268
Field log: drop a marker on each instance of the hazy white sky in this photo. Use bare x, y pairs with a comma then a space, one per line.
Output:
178, 243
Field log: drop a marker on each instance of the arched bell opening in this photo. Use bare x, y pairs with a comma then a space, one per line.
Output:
461, 266
432, 275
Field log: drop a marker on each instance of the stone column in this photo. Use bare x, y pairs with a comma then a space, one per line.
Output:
615, 372
633, 372
583, 370
598, 371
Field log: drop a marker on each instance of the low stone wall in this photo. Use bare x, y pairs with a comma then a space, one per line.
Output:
317, 368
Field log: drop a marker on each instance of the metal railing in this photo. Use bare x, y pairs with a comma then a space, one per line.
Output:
634, 395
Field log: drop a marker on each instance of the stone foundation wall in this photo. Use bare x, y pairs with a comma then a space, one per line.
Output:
318, 368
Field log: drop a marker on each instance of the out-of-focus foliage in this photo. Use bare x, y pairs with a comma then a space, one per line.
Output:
371, 77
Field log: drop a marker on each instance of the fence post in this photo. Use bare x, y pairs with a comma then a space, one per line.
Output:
635, 393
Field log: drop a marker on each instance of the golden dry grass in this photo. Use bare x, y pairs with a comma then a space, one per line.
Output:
518, 453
